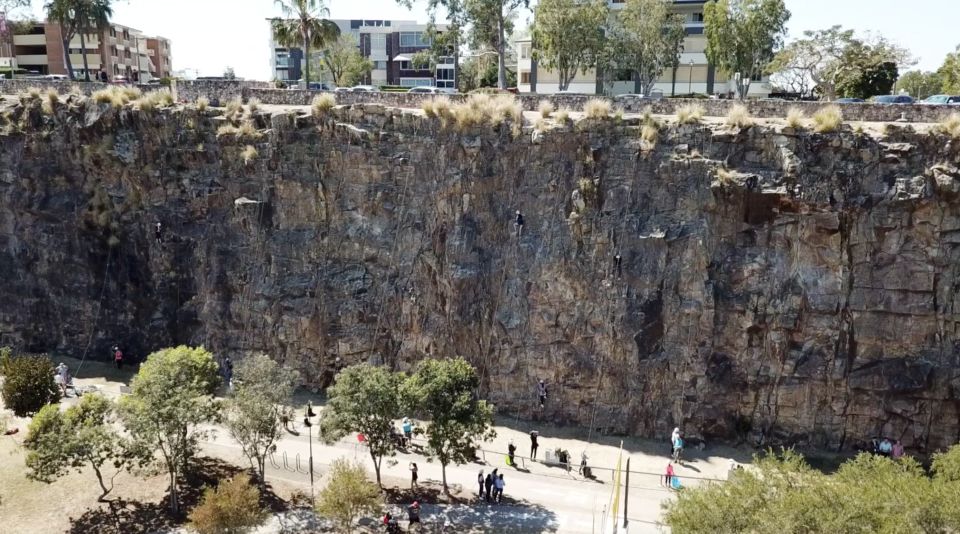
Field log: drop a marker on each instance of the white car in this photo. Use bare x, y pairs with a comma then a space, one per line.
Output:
424, 89
365, 89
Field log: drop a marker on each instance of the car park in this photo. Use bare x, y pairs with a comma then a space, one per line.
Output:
424, 89
892, 99
365, 89
849, 100
939, 100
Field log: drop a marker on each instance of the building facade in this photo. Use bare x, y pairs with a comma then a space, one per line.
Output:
389, 45
117, 50
693, 75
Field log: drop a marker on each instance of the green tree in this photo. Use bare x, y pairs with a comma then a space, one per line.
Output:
367, 399
28, 383
569, 36
950, 73
303, 26
921, 84
342, 59
232, 508
646, 39
490, 23
171, 396
83, 436
816, 56
444, 392
253, 413
742, 36
61, 12
91, 16
348, 494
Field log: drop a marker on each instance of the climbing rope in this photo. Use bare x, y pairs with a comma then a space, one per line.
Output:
96, 320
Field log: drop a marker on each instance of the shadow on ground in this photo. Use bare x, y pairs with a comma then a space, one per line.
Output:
120, 516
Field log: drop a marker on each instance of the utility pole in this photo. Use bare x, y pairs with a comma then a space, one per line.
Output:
626, 496
307, 423
690, 80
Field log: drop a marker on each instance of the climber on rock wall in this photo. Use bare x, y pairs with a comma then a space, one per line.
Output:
158, 233
519, 223
542, 393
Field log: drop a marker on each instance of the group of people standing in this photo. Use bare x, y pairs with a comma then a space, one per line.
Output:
491, 486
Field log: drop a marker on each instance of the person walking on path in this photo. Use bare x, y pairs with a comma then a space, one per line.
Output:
480, 482
668, 476
499, 485
511, 452
117, 357
413, 475
407, 428
533, 444
487, 484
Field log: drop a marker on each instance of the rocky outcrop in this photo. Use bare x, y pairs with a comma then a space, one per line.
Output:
774, 285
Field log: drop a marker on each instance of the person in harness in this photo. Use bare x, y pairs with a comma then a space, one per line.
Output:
518, 223
542, 393
158, 233
117, 357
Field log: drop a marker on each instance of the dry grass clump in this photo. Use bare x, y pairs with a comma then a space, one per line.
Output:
950, 126
30, 95
253, 105
597, 108
545, 108
480, 109
154, 99
51, 101
795, 118
690, 114
234, 109
649, 134
540, 125
227, 130
116, 96
202, 103
248, 131
438, 106
506, 108
249, 154
739, 116
562, 115
322, 104
827, 119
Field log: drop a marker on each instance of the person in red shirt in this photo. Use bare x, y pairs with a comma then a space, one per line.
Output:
668, 477
117, 357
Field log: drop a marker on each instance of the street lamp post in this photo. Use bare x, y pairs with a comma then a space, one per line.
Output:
690, 80
307, 423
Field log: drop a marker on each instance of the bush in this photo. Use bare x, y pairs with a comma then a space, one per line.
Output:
739, 116
795, 118
348, 494
597, 108
117, 96
827, 119
545, 108
232, 508
438, 106
28, 384
154, 99
323, 103
950, 126
690, 113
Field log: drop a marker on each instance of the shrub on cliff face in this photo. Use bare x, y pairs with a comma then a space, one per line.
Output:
28, 383
597, 108
51, 101
950, 126
545, 108
322, 104
202, 103
253, 105
690, 114
249, 154
154, 99
739, 116
436, 107
827, 119
795, 118
562, 115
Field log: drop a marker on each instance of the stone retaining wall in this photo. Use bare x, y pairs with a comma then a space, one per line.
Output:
219, 92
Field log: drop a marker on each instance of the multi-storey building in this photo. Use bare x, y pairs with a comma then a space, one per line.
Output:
693, 75
117, 50
389, 44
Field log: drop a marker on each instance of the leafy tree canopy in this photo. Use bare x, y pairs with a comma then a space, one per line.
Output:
569, 36
232, 508
348, 495
28, 383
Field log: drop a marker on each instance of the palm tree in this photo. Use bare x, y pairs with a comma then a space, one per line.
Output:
93, 15
61, 12
303, 25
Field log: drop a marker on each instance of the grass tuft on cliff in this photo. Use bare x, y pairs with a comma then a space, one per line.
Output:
545, 108
436, 107
322, 104
482, 109
690, 114
562, 115
202, 103
795, 118
253, 105
234, 109
739, 116
597, 108
154, 99
249, 154
116, 96
827, 119
950, 126
649, 134
51, 101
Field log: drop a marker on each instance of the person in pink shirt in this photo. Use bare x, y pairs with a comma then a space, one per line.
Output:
668, 477
897, 450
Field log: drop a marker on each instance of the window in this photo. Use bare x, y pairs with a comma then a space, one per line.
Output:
696, 17
445, 74
405, 65
283, 60
414, 40
525, 51
415, 82
379, 65
524, 77
378, 42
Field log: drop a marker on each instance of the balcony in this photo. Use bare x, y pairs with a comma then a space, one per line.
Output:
32, 59
93, 60
30, 40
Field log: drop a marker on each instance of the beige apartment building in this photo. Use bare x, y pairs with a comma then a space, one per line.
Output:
694, 74
117, 50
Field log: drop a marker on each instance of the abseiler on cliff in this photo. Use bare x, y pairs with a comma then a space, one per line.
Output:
775, 285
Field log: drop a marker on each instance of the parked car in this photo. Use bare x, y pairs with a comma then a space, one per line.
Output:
120, 80
424, 89
849, 100
893, 99
941, 99
317, 86
343, 90
365, 89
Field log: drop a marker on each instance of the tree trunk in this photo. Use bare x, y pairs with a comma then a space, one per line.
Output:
83, 50
66, 57
174, 498
103, 486
306, 60
443, 470
376, 467
262, 475
743, 87
501, 60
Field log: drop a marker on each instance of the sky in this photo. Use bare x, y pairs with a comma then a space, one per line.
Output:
209, 35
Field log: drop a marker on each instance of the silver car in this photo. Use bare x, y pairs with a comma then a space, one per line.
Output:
365, 89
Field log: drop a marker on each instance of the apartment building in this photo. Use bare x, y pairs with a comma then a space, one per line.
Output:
117, 50
389, 44
693, 75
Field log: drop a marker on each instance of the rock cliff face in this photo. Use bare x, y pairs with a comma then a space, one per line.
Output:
774, 285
